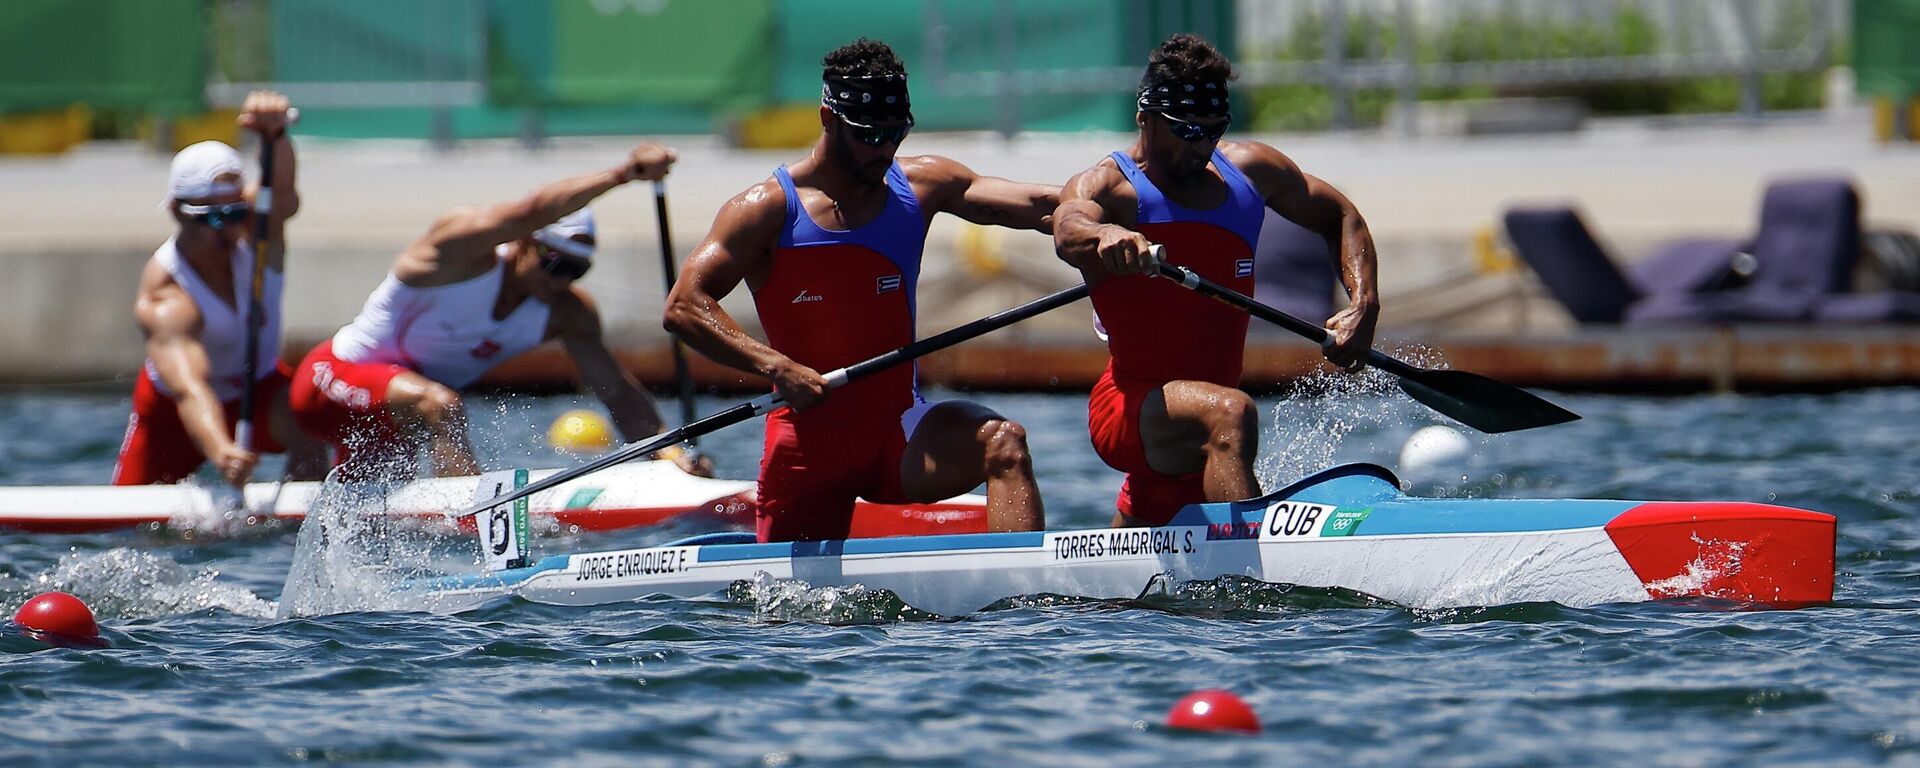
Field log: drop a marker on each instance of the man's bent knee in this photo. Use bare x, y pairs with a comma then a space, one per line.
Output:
1232, 421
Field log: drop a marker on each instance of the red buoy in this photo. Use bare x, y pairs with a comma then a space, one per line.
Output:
58, 614
1213, 710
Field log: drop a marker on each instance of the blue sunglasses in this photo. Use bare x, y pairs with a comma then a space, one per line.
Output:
218, 216
1189, 131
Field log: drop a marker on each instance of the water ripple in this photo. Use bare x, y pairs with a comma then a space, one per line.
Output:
778, 673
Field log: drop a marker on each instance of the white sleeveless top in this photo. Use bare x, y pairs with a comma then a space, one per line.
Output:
223, 329
446, 332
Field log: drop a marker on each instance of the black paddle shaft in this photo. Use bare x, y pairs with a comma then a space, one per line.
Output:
771, 400
1471, 399
682, 377
256, 291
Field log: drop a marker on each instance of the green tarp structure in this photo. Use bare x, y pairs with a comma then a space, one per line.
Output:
569, 66
624, 67
138, 54
1886, 58
1056, 35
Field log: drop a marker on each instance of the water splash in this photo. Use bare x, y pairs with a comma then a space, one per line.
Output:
792, 600
1325, 418
352, 556
215, 510
1233, 596
130, 583
1319, 413
1718, 559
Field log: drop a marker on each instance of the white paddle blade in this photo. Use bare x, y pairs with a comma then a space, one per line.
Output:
502, 530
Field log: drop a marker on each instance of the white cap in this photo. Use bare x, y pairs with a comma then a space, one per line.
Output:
197, 171
559, 235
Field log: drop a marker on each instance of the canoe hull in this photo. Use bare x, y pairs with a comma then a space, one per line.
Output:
1349, 528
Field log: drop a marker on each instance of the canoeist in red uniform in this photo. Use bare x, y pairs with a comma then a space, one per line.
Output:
192, 307
830, 248
484, 284
1167, 411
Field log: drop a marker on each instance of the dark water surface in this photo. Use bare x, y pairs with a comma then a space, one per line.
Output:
201, 673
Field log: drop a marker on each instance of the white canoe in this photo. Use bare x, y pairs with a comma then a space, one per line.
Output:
638, 493
1348, 527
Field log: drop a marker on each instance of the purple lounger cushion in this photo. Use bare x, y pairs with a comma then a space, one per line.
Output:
1809, 237
1562, 251
1888, 307
1694, 265
1748, 306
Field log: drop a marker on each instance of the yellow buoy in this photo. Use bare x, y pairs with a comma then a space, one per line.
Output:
581, 431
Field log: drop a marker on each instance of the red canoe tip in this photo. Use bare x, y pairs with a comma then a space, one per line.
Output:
1741, 551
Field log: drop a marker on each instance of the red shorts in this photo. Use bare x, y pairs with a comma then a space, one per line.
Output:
810, 477
344, 403
1113, 421
156, 448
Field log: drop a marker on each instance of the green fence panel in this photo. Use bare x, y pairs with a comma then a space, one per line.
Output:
704, 52
1886, 60
140, 54
1061, 36
377, 41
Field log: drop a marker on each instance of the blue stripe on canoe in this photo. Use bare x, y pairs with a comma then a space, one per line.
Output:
1392, 513
504, 578
720, 553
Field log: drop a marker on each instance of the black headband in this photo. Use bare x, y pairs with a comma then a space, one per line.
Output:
1184, 98
868, 100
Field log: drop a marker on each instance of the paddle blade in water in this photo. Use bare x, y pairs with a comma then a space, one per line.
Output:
1482, 403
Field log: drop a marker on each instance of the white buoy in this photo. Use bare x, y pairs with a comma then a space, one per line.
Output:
1434, 450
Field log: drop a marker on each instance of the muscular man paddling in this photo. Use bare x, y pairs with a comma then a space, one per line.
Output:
192, 307
1167, 410
484, 284
830, 248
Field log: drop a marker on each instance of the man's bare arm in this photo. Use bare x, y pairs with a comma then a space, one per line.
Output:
1087, 232
172, 324
742, 240
265, 113
986, 199
462, 241
1317, 206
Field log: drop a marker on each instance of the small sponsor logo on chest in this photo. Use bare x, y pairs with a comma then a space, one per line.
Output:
1243, 268
804, 297
886, 283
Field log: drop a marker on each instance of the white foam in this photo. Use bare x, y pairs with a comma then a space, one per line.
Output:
132, 583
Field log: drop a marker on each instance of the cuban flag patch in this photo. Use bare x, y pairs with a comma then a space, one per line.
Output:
1243, 268
886, 283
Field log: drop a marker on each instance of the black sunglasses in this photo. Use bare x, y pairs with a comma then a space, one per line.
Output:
218, 216
1190, 131
876, 135
562, 265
